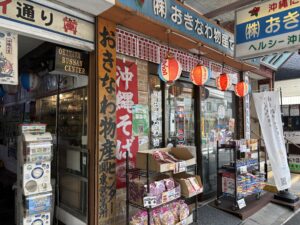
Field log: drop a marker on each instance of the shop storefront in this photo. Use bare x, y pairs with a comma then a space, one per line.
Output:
180, 114
52, 48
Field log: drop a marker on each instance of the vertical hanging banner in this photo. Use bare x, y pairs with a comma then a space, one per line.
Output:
247, 126
8, 58
127, 96
269, 115
106, 49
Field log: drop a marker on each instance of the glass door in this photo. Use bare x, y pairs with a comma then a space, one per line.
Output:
217, 124
180, 123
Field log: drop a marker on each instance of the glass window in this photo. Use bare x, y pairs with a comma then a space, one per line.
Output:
180, 123
217, 124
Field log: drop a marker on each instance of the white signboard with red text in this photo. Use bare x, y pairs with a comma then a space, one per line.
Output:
127, 96
48, 21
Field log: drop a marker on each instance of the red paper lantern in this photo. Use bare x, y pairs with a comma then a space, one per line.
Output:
223, 82
169, 70
200, 75
242, 89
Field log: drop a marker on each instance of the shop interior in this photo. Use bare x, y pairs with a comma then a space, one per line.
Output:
60, 102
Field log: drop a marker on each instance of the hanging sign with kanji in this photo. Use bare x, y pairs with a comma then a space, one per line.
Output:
8, 58
176, 16
267, 27
127, 97
41, 20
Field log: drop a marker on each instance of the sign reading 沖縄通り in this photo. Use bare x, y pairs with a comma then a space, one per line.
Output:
267, 27
177, 17
42, 20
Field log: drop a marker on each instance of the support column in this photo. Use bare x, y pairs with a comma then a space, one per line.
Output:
106, 122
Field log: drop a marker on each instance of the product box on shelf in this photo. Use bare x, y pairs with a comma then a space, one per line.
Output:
36, 178
32, 128
38, 203
187, 184
159, 193
228, 183
184, 156
252, 144
38, 219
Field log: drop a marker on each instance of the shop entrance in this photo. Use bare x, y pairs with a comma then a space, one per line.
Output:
60, 101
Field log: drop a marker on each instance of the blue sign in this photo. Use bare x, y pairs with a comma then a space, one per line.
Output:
267, 27
179, 18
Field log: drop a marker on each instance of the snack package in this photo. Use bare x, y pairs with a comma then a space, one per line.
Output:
166, 217
184, 211
169, 184
160, 187
174, 207
164, 157
156, 217
194, 183
189, 186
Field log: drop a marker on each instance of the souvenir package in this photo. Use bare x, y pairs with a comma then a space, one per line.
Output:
169, 214
164, 157
164, 190
38, 204
37, 219
36, 178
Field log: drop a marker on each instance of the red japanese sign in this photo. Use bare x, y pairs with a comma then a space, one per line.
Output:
127, 96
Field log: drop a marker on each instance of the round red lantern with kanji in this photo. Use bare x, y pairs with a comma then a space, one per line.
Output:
242, 89
170, 69
223, 82
200, 75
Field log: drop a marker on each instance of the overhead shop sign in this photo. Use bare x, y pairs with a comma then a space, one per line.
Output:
177, 17
70, 62
48, 23
272, 26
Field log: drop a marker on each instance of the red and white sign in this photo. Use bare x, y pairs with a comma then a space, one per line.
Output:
127, 96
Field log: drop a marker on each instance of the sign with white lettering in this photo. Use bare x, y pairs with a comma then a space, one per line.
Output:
70, 62
44, 20
267, 27
176, 16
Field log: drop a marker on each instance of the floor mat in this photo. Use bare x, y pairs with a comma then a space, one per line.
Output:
294, 221
212, 216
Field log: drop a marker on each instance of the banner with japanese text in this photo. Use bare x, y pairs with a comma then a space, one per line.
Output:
127, 97
173, 14
106, 130
39, 19
269, 115
267, 27
8, 58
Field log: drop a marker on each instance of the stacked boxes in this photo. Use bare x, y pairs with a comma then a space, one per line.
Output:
34, 193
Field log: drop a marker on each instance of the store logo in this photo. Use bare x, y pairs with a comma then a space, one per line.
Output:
254, 11
70, 25
140, 3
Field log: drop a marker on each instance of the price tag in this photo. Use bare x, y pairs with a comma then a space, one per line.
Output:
180, 167
241, 203
171, 195
243, 169
149, 201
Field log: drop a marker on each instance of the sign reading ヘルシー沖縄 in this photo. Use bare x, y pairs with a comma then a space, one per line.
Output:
179, 18
264, 28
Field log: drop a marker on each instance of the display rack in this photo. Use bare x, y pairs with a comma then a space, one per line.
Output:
147, 173
237, 170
